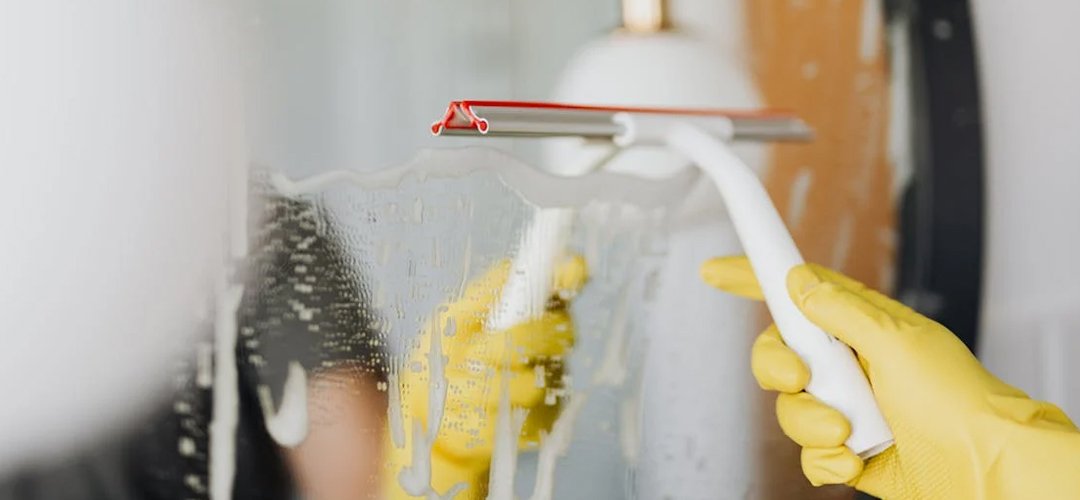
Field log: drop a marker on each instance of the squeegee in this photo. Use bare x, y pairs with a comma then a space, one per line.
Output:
702, 136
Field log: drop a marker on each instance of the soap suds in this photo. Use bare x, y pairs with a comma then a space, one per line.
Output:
612, 370
630, 424
554, 446
226, 399
194, 482
288, 426
186, 446
437, 378
504, 457
415, 479
204, 365
397, 426
466, 265
535, 186
418, 210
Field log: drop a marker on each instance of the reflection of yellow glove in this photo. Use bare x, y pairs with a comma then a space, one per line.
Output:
477, 365
960, 432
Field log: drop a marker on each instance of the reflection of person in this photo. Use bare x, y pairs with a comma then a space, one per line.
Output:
520, 368
960, 432
303, 303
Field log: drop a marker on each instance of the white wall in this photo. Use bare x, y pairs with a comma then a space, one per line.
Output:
1030, 80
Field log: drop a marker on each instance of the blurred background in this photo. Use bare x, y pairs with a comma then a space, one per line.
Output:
355, 84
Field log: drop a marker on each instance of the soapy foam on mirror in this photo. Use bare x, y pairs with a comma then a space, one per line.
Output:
288, 426
612, 369
204, 365
397, 426
186, 446
630, 424
504, 457
415, 478
226, 398
543, 191
555, 445
437, 379
466, 265
537, 187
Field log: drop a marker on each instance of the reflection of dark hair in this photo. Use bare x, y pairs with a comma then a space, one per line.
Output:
304, 301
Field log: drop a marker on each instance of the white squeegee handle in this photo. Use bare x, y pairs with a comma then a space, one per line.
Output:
836, 377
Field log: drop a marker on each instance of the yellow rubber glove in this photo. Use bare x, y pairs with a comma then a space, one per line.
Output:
477, 363
960, 432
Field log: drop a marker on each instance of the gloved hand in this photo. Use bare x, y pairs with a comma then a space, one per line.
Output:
477, 365
960, 432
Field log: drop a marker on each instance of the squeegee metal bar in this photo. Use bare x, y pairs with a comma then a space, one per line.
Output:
540, 119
